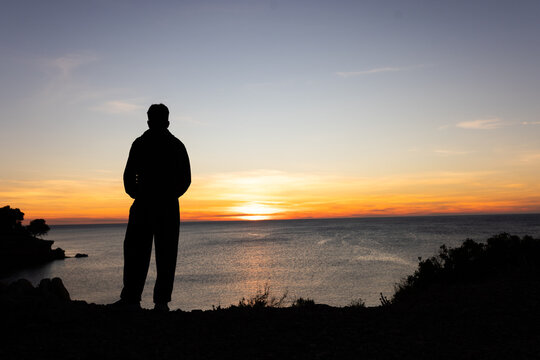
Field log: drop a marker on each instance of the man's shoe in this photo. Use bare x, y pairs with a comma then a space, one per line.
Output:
161, 307
126, 305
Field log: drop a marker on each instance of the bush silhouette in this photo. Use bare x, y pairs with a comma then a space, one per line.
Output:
473, 261
303, 303
38, 227
19, 246
10, 220
262, 299
357, 303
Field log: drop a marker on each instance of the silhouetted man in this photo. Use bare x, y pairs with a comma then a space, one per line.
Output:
157, 173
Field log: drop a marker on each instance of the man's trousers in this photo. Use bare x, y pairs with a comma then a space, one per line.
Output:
160, 221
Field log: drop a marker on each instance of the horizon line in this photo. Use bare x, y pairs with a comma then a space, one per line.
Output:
113, 222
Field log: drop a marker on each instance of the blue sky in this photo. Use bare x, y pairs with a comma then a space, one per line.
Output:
355, 89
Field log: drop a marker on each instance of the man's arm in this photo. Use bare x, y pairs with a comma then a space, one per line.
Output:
185, 171
130, 174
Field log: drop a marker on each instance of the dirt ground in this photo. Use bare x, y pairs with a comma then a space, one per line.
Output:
496, 319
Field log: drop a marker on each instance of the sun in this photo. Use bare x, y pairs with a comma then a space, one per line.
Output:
254, 217
256, 211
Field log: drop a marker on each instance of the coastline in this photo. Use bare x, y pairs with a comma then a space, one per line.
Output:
489, 319
98, 278
479, 300
20, 251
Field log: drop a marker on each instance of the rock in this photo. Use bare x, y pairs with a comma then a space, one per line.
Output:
78, 255
18, 251
60, 290
22, 295
20, 288
54, 289
58, 254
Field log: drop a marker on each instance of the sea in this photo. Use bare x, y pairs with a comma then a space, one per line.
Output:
332, 261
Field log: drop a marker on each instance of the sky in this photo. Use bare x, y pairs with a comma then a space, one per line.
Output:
288, 109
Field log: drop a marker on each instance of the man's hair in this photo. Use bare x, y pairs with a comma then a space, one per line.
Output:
158, 116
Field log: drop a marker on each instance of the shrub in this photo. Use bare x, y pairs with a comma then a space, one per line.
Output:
262, 299
384, 300
357, 303
38, 227
10, 220
473, 261
303, 303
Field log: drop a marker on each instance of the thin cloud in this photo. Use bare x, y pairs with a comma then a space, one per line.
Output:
530, 157
68, 63
188, 120
451, 152
348, 74
64, 83
119, 107
367, 72
481, 124
530, 123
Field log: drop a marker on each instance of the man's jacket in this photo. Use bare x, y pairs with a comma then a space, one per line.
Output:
157, 167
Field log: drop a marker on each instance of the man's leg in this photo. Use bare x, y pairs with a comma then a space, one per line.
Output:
137, 253
167, 231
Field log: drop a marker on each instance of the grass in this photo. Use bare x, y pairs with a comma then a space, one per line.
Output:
262, 299
303, 303
470, 262
357, 303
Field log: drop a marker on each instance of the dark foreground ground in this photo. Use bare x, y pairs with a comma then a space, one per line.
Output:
499, 318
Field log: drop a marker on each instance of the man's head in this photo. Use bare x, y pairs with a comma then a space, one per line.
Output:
158, 116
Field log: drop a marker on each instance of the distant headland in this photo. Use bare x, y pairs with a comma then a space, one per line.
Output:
20, 246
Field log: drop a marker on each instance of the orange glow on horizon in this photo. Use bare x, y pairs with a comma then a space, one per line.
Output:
273, 195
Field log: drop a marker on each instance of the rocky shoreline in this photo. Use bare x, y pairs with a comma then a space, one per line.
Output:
19, 251
20, 246
476, 301
495, 319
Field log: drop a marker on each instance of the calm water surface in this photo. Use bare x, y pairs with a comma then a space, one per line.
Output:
332, 261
